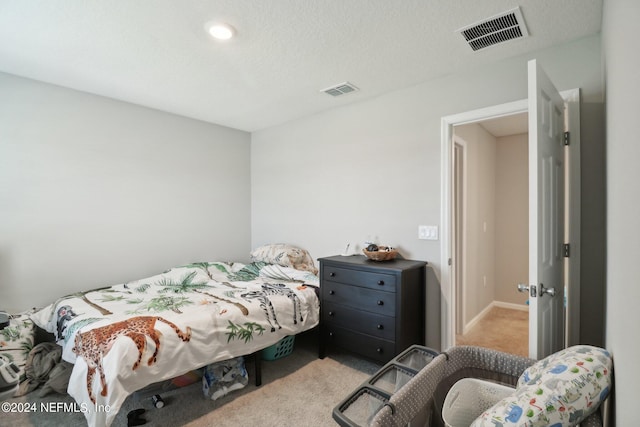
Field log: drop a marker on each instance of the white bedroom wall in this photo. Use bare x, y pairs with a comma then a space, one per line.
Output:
373, 168
95, 192
623, 203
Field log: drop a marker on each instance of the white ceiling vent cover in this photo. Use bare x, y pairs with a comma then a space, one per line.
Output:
506, 26
340, 89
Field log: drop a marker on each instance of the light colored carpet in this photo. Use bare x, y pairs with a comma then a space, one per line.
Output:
299, 389
500, 329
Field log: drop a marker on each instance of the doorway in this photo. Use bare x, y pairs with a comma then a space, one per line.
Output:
448, 272
490, 229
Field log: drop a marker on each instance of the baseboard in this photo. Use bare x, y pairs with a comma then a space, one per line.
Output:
485, 311
476, 319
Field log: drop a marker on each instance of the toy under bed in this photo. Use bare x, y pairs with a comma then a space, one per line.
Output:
411, 389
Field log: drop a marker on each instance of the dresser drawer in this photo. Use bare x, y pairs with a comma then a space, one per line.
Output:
368, 279
359, 298
368, 323
368, 346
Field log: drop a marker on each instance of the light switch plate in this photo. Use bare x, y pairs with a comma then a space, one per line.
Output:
428, 232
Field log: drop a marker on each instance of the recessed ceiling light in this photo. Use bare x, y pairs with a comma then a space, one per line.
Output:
220, 31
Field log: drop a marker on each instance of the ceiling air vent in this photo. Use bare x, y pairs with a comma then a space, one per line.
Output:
341, 89
497, 29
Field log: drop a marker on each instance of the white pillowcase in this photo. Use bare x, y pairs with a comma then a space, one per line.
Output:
285, 255
560, 390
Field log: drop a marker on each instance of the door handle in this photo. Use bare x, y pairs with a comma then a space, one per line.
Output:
549, 291
531, 290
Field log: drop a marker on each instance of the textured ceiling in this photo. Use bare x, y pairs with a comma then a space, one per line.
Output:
155, 52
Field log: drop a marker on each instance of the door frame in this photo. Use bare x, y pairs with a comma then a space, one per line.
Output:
459, 213
572, 273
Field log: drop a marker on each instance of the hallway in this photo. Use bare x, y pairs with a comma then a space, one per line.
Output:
501, 329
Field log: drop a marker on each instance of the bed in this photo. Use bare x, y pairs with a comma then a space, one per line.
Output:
124, 337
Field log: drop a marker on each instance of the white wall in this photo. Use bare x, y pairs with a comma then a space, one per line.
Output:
373, 168
512, 217
479, 258
623, 203
95, 192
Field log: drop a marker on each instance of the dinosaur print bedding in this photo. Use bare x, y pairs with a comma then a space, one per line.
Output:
124, 337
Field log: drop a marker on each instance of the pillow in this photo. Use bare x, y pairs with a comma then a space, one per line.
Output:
567, 364
560, 390
286, 256
17, 339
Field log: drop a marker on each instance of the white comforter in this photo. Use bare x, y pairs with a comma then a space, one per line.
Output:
198, 314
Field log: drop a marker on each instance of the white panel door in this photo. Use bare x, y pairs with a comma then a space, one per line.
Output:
546, 215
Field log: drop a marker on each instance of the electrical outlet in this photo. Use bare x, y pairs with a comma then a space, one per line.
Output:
428, 232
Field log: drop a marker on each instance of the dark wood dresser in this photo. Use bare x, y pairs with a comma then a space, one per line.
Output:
375, 309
